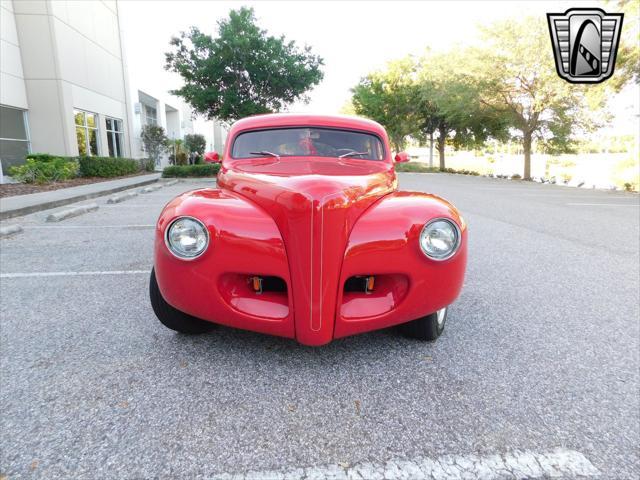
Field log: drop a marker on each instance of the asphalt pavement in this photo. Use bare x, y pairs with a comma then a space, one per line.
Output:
539, 358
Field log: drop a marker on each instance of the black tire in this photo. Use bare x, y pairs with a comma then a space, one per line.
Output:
171, 317
426, 329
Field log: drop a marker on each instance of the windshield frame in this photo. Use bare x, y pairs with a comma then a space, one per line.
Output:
385, 153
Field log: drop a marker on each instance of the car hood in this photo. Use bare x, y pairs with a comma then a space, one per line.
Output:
315, 204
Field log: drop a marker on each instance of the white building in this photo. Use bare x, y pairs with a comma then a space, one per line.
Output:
64, 86
63, 79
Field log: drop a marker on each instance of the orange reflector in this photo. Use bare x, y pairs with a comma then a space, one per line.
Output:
370, 283
256, 283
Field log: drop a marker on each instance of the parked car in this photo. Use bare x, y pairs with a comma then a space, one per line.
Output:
307, 237
211, 157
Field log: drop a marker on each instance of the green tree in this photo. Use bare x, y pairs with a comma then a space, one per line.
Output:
154, 141
195, 143
388, 97
243, 71
178, 151
448, 102
627, 66
516, 78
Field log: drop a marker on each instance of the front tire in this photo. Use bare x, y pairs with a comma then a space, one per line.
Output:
171, 317
426, 329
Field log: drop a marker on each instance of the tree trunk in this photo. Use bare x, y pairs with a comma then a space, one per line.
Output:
431, 149
442, 137
526, 146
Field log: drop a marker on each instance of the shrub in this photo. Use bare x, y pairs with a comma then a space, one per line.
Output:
46, 157
154, 141
181, 158
516, 176
626, 174
147, 164
414, 167
195, 143
423, 168
45, 168
206, 170
107, 166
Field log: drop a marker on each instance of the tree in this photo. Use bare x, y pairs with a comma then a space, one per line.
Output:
627, 66
516, 79
154, 141
195, 143
243, 71
448, 103
417, 98
178, 151
388, 97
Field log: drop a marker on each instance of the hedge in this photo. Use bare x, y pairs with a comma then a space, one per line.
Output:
44, 168
107, 166
414, 167
422, 168
205, 170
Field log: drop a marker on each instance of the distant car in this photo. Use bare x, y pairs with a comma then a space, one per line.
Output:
211, 157
307, 237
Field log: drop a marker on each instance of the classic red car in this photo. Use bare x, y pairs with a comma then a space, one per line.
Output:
306, 236
211, 157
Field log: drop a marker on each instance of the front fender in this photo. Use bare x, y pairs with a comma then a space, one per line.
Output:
244, 241
385, 243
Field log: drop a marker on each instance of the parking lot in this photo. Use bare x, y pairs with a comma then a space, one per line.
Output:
540, 355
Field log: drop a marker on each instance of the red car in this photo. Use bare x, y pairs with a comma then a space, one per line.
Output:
211, 157
306, 236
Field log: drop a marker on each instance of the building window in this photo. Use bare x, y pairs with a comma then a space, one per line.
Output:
14, 137
150, 115
86, 132
114, 137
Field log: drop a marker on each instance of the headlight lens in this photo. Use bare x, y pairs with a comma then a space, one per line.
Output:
187, 238
440, 239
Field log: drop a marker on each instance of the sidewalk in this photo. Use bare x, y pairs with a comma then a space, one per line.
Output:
34, 202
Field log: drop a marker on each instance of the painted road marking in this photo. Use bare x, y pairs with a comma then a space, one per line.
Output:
605, 204
134, 205
74, 274
48, 227
559, 463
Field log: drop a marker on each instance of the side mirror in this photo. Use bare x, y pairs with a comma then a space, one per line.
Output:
215, 156
401, 157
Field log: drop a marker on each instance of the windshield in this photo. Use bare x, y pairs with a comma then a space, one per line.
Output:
308, 142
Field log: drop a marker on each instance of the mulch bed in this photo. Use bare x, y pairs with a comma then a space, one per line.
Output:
12, 189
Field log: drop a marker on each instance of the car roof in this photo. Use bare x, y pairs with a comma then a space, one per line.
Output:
306, 120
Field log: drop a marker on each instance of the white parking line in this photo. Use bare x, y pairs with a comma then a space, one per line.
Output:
516, 465
605, 204
133, 205
49, 227
74, 274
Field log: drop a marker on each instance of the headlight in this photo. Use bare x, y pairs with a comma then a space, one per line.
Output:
187, 238
440, 239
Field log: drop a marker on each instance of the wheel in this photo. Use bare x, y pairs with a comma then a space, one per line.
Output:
171, 317
426, 328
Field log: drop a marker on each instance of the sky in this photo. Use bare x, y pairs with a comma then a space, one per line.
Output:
353, 37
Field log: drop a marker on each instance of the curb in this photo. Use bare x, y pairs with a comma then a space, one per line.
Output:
153, 188
122, 197
10, 230
72, 212
17, 212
